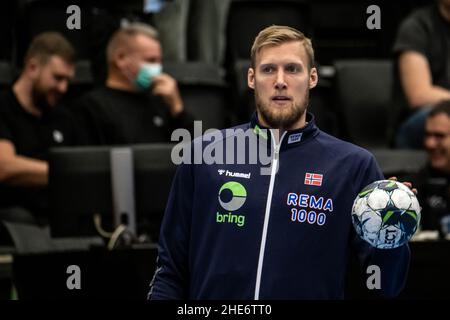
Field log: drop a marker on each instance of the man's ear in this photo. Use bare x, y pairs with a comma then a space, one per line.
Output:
120, 58
32, 66
251, 78
313, 78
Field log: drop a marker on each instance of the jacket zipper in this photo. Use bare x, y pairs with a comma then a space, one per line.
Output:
275, 160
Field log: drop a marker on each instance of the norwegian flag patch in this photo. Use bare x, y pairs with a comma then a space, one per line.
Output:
313, 179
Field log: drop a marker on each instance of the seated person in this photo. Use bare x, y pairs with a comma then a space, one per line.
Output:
31, 122
423, 60
138, 104
433, 180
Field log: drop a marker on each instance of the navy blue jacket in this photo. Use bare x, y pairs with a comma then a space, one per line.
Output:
230, 232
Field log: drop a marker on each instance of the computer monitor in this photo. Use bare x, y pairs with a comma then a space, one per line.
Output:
154, 172
80, 186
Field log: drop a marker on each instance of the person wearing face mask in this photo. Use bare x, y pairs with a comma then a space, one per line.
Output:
139, 103
31, 121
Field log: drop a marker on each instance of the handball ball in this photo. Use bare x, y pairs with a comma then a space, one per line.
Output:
386, 214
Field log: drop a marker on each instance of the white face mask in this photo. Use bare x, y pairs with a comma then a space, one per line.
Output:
145, 75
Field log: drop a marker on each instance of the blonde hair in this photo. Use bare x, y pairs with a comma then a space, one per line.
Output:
276, 35
122, 37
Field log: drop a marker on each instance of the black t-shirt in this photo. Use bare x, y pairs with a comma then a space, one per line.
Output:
427, 32
117, 117
32, 137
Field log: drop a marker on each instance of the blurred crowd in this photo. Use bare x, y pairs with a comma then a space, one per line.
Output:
133, 73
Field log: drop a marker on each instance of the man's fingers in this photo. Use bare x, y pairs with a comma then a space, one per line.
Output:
161, 91
408, 184
159, 80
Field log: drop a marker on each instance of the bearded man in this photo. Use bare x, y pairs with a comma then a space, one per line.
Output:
31, 122
230, 232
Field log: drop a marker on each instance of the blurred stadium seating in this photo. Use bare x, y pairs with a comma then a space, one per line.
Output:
363, 93
352, 99
204, 91
337, 29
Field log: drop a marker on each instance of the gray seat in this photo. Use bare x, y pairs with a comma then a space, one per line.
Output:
400, 162
246, 18
83, 81
204, 92
29, 238
363, 92
6, 74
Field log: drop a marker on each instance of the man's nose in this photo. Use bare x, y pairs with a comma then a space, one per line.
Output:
62, 86
280, 81
430, 142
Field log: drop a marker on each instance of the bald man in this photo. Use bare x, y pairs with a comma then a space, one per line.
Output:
138, 103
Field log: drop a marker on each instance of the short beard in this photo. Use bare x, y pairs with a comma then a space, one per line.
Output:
40, 99
281, 120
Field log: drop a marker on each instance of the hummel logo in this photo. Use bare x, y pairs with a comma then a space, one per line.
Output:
234, 174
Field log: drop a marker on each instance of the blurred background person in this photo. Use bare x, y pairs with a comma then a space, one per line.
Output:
31, 122
138, 103
422, 49
433, 180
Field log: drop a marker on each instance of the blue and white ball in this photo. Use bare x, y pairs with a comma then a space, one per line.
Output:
386, 214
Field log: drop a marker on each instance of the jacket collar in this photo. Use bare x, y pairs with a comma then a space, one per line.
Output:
292, 137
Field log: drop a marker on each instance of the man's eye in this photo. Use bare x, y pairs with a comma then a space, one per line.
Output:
435, 135
292, 69
268, 69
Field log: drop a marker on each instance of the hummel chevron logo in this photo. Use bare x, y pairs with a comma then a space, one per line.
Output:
234, 174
